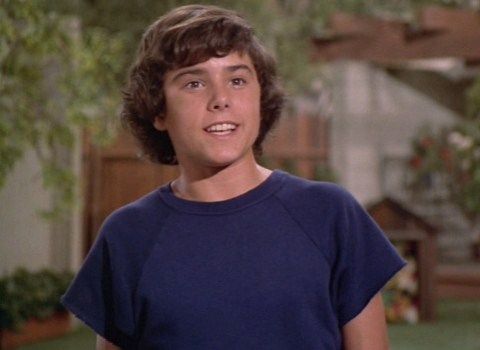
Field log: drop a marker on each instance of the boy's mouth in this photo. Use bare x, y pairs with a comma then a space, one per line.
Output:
221, 128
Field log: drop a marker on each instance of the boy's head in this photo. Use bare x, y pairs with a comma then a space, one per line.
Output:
183, 37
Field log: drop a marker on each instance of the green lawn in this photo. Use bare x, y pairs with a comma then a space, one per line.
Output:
81, 339
458, 328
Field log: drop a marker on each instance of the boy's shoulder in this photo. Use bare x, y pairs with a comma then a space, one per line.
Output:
143, 215
300, 191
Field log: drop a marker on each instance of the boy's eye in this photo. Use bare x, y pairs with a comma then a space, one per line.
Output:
238, 81
193, 84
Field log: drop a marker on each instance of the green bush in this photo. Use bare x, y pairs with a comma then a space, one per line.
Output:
25, 295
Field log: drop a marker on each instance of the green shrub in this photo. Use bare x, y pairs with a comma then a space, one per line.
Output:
25, 295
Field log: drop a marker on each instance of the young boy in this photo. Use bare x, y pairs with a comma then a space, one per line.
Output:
230, 255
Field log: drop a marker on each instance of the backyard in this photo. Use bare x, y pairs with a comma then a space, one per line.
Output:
396, 124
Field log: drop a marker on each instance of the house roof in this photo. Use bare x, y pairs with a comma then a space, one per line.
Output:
401, 211
438, 33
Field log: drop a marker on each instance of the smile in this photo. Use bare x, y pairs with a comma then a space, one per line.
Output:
221, 128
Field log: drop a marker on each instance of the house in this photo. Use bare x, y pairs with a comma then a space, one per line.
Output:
389, 78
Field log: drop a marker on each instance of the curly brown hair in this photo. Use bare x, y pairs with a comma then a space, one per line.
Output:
183, 37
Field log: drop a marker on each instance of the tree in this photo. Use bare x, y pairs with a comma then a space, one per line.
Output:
62, 65
54, 78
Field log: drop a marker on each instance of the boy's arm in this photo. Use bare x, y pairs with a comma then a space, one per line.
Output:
103, 344
368, 330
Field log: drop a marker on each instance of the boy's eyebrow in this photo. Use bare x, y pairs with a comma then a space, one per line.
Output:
239, 66
192, 71
199, 71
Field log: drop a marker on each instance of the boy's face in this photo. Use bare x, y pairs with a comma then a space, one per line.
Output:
212, 111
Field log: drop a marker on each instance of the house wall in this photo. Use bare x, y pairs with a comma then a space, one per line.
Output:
24, 237
27, 240
374, 118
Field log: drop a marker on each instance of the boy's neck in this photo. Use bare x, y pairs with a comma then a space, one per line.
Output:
219, 184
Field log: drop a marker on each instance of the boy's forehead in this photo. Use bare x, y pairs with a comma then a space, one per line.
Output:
233, 58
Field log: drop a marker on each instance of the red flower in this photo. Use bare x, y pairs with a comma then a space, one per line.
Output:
427, 142
416, 162
446, 156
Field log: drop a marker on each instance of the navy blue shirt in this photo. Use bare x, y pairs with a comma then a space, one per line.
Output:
283, 266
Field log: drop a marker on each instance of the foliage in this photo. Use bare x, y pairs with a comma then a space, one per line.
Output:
52, 82
57, 78
25, 295
285, 26
452, 153
62, 65
473, 98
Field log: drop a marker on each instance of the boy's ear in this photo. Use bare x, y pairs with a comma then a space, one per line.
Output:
159, 123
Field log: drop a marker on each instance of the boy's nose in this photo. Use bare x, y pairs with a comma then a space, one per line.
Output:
219, 100
220, 105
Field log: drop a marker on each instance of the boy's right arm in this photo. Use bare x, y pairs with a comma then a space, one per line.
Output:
103, 344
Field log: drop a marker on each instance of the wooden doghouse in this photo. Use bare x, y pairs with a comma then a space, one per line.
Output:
403, 227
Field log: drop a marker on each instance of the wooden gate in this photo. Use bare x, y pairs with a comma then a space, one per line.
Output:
115, 176
299, 145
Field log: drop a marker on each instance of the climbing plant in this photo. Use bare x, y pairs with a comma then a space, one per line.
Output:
55, 78
62, 64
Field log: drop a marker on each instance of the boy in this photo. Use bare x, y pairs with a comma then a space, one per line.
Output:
230, 255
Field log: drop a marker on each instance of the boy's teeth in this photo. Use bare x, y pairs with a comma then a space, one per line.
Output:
221, 127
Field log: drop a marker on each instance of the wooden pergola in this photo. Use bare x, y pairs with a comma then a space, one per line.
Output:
440, 49
438, 33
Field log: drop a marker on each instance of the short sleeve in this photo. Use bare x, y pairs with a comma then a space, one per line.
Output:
364, 260
100, 295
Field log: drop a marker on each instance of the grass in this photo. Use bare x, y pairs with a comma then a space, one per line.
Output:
81, 339
457, 328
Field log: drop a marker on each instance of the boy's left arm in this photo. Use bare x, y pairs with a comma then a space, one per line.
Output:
368, 330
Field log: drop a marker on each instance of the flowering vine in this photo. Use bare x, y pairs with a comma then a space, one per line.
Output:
453, 154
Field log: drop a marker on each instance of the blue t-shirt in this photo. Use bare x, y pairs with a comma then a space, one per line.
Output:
283, 266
